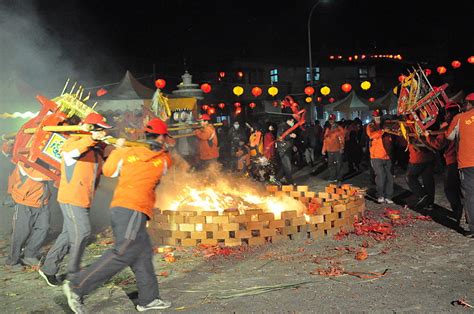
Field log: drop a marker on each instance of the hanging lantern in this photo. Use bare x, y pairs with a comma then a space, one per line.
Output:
238, 110
371, 99
272, 91
256, 91
441, 70
319, 99
455, 64
346, 87
275, 103
221, 74
206, 88
427, 72
308, 99
237, 104
238, 90
308, 90
205, 107
401, 78
252, 105
160, 83
221, 105
470, 60
211, 111
325, 91
331, 100
240, 74
395, 90
101, 92
365, 85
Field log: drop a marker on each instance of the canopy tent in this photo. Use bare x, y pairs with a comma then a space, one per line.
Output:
387, 102
351, 106
128, 95
458, 97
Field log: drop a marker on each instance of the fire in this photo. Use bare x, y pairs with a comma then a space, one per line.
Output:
221, 198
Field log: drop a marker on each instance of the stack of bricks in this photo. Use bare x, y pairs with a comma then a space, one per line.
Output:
335, 210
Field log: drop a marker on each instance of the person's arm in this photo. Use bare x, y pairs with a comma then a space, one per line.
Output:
374, 134
203, 134
453, 129
113, 165
75, 146
32, 173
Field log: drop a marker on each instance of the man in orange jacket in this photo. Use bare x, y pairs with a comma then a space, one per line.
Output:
30, 192
333, 145
208, 145
379, 159
139, 170
81, 165
461, 129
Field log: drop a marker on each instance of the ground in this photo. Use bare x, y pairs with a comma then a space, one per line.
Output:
422, 266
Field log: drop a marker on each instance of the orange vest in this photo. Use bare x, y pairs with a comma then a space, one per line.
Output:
462, 128
333, 139
140, 170
81, 165
28, 186
208, 148
377, 150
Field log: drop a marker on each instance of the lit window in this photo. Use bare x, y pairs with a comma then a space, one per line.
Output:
316, 74
363, 73
274, 76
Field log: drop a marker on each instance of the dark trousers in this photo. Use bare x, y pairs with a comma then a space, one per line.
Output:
29, 230
467, 185
335, 166
452, 190
383, 177
425, 171
132, 248
285, 168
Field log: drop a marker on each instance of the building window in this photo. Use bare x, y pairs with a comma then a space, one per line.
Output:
274, 76
316, 74
363, 73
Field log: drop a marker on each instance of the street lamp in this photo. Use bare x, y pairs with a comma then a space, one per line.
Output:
311, 78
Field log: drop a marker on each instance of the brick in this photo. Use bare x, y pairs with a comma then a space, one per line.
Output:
209, 241
323, 195
324, 210
267, 232
290, 230
230, 226
160, 218
257, 241
302, 188
210, 213
171, 212
310, 227
176, 219
254, 225
298, 221
167, 226
288, 214
220, 235
186, 227
179, 234
329, 189
233, 242
316, 219
324, 225
243, 234
281, 194
196, 219
334, 196
231, 212
339, 223
220, 219
199, 235
210, 227
250, 212
266, 217
317, 200
287, 188
272, 188
239, 219
295, 194
277, 224
187, 213
277, 238
339, 208
310, 194
331, 217
188, 242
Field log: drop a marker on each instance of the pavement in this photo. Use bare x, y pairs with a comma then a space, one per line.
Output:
424, 265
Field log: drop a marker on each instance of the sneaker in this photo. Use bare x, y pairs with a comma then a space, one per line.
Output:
30, 261
73, 299
421, 202
380, 200
429, 207
51, 280
388, 201
14, 267
469, 234
157, 304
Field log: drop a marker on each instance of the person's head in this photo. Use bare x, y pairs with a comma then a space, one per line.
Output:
469, 102
236, 125
332, 119
97, 120
271, 127
156, 130
204, 119
377, 115
316, 122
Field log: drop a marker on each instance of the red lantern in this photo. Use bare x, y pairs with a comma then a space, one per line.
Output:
256, 91
237, 104
238, 110
275, 103
427, 72
101, 92
211, 111
206, 88
456, 64
221, 105
362, 57
240, 74
252, 105
346, 87
401, 78
221, 74
470, 59
441, 70
308, 90
205, 107
350, 58
319, 99
331, 100
160, 83
371, 99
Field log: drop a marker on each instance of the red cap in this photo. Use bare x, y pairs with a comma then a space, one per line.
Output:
205, 117
452, 105
332, 116
156, 126
97, 119
376, 113
470, 97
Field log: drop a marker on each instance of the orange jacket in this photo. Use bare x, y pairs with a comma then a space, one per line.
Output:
333, 139
206, 136
29, 187
462, 128
419, 155
377, 148
140, 171
256, 143
81, 165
